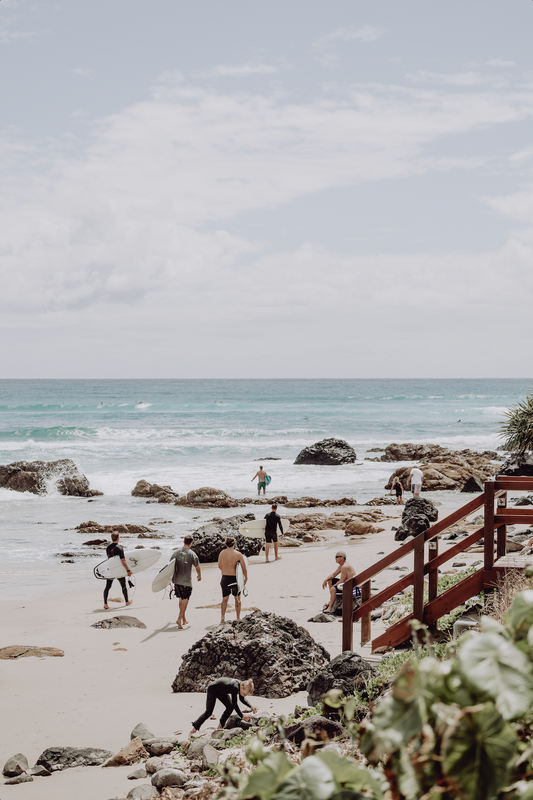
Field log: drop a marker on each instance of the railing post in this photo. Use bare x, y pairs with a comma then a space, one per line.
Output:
501, 544
418, 583
488, 528
347, 615
365, 621
433, 577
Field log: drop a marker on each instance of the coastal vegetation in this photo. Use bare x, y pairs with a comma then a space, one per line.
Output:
517, 430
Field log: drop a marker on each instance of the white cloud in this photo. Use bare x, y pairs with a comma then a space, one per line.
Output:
240, 70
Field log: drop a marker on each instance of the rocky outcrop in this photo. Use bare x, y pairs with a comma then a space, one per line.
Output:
387, 500
518, 465
357, 527
327, 452
14, 651
314, 502
277, 654
338, 520
429, 452
448, 472
68, 757
263, 500
122, 621
473, 485
418, 515
163, 494
208, 498
347, 672
39, 477
95, 527
315, 727
209, 540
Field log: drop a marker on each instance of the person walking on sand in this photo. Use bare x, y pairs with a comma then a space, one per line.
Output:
261, 476
185, 559
416, 476
112, 550
398, 488
227, 564
344, 572
228, 691
273, 522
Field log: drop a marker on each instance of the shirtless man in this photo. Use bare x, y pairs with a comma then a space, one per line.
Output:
261, 476
227, 564
344, 572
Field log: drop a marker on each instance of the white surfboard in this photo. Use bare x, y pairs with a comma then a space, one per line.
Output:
239, 575
164, 577
137, 561
255, 528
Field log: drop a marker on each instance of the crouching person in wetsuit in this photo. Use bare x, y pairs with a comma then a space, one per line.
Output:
228, 691
114, 549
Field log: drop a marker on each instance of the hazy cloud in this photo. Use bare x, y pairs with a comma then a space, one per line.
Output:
240, 70
85, 73
325, 47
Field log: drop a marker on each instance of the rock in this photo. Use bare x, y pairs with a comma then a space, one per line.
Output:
175, 793
144, 792
450, 471
95, 527
67, 757
168, 777
417, 516
413, 452
459, 564
38, 476
196, 747
517, 465
161, 748
473, 484
14, 651
357, 528
326, 452
153, 765
122, 621
525, 500
279, 655
288, 542
387, 500
39, 772
24, 778
137, 774
142, 731
208, 541
206, 497
315, 727
164, 494
15, 765
133, 751
234, 721
210, 757
322, 617
95, 542
346, 672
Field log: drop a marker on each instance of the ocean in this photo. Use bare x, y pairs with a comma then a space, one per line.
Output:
193, 433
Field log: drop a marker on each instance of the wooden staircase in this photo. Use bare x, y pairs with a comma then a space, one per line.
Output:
495, 563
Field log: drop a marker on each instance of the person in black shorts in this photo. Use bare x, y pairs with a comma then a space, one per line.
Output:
114, 549
398, 488
185, 559
228, 691
273, 522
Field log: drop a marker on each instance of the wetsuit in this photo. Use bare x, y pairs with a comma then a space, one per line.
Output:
273, 521
227, 691
112, 550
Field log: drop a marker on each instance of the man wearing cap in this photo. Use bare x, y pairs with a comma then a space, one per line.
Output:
335, 581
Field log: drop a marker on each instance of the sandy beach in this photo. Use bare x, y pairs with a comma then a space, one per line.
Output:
109, 680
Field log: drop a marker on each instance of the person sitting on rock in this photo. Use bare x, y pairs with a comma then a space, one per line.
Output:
344, 572
228, 691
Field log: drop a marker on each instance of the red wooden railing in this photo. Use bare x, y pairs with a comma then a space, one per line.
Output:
495, 520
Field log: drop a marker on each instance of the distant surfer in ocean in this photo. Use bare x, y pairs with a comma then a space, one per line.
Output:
261, 476
273, 521
185, 559
227, 564
114, 549
228, 691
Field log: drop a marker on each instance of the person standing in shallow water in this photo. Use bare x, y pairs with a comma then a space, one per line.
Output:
398, 488
261, 476
112, 550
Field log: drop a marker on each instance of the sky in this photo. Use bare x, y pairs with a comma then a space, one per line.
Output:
244, 189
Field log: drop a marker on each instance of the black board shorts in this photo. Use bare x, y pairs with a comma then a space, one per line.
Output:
229, 586
183, 592
271, 537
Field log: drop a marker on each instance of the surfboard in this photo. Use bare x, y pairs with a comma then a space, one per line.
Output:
255, 528
268, 479
239, 575
164, 577
137, 560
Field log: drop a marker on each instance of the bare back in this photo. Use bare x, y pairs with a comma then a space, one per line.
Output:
228, 560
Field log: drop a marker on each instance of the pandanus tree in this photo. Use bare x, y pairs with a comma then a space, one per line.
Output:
517, 430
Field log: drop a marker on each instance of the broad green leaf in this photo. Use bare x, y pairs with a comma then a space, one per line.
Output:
264, 780
476, 751
349, 708
519, 617
394, 723
406, 777
347, 794
333, 698
349, 774
313, 780
496, 669
490, 625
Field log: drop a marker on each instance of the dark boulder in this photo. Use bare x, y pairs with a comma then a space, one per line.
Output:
38, 477
327, 452
346, 672
413, 452
518, 465
417, 516
208, 541
315, 727
473, 484
277, 654
67, 757
525, 500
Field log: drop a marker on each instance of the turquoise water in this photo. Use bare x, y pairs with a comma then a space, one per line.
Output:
192, 433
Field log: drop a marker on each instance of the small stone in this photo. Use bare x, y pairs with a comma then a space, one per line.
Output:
144, 792
39, 771
121, 621
15, 766
133, 751
210, 757
322, 617
161, 748
459, 564
168, 777
196, 748
24, 778
153, 765
137, 774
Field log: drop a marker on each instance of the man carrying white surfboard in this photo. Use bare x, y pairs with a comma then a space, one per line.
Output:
112, 550
261, 480
185, 559
273, 521
227, 564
